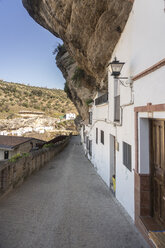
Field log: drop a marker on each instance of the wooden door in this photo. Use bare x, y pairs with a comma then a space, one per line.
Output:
112, 161
158, 169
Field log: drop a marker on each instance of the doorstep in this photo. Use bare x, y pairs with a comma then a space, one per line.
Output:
147, 225
158, 238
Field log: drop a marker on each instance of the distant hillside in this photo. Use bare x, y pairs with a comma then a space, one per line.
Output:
18, 97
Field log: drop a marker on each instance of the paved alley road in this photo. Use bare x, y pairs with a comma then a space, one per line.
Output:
65, 205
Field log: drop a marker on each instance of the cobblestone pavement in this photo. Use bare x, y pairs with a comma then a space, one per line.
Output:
65, 205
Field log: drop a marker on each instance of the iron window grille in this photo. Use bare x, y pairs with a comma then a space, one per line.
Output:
117, 108
102, 137
127, 156
116, 100
90, 147
87, 143
102, 99
96, 135
6, 154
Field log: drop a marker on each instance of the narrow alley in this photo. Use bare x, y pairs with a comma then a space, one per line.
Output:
66, 205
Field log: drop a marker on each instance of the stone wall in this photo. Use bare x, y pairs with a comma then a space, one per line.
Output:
12, 174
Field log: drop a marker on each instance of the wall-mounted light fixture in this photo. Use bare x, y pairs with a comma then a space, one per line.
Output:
116, 67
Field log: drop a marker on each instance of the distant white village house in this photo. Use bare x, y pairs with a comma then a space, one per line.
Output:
70, 116
125, 135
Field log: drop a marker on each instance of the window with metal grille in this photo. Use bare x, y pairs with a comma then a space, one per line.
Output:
90, 118
96, 135
6, 154
87, 143
127, 155
102, 137
102, 99
116, 100
84, 136
90, 147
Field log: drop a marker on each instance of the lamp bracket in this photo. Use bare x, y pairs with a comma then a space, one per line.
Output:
127, 83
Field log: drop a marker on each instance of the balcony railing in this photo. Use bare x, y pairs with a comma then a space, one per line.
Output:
102, 99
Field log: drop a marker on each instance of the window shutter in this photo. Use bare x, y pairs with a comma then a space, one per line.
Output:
102, 137
96, 135
127, 156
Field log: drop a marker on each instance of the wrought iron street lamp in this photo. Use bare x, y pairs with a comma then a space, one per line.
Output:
116, 67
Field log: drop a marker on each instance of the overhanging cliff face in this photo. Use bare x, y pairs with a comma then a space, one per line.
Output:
79, 86
90, 29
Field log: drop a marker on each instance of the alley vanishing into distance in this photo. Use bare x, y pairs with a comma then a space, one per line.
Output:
65, 204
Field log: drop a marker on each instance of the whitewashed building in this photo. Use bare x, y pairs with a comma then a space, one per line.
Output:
125, 137
70, 116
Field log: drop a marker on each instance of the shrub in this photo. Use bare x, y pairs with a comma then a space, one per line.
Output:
25, 155
88, 101
25, 104
11, 116
59, 50
15, 157
36, 92
36, 106
48, 145
78, 74
67, 90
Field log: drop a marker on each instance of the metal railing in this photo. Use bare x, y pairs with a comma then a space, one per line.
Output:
102, 99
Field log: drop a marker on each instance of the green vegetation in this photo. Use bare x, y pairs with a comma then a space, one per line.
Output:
18, 97
15, 157
78, 75
59, 50
88, 101
18, 155
67, 90
48, 145
25, 155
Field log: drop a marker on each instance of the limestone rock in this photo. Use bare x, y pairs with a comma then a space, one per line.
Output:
90, 30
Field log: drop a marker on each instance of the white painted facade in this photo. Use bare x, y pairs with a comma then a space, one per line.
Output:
70, 116
141, 46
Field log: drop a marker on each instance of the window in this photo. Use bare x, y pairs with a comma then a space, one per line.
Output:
116, 100
84, 136
90, 117
127, 155
102, 99
96, 135
87, 143
102, 137
90, 147
6, 154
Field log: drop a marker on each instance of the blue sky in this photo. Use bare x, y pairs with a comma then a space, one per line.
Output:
26, 48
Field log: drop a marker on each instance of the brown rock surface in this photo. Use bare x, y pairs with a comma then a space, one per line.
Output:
80, 91
90, 30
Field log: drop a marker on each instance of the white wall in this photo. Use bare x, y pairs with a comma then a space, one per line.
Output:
101, 152
151, 88
2, 154
141, 45
100, 112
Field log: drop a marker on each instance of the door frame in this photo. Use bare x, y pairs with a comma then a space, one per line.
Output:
112, 160
142, 182
158, 219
